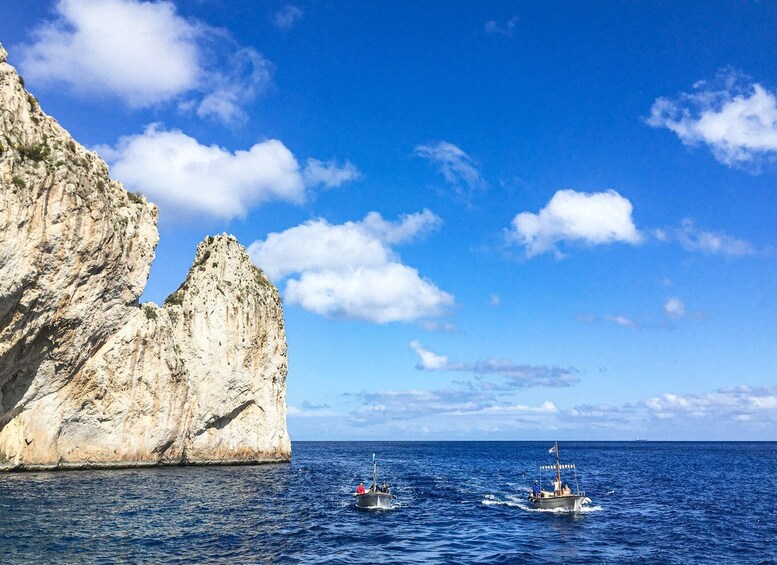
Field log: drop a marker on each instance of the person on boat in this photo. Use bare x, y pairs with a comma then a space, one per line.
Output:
556, 487
360, 489
566, 491
537, 489
384, 488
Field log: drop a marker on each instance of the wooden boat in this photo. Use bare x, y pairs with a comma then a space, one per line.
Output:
558, 498
375, 498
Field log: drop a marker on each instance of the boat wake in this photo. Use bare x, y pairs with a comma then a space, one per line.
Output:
516, 501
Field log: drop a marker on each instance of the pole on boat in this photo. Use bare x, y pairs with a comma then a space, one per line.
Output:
374, 471
558, 470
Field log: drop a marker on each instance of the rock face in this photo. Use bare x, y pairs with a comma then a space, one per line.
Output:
88, 377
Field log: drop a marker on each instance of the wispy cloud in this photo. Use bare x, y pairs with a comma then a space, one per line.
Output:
696, 240
350, 270
623, 322
674, 308
570, 216
735, 117
726, 412
459, 169
145, 54
494, 27
286, 17
517, 375
329, 174
465, 400
742, 403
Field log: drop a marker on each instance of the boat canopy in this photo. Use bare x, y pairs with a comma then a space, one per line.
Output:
554, 467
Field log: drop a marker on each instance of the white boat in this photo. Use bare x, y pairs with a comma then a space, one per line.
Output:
558, 498
376, 498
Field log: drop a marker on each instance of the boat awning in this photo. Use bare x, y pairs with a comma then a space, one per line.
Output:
553, 467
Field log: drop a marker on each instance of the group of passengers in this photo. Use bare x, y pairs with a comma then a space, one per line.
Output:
557, 489
384, 488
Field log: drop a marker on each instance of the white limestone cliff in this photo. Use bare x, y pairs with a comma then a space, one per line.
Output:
90, 378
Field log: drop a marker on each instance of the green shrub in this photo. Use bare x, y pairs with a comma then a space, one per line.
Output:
18, 182
37, 152
175, 299
135, 197
150, 312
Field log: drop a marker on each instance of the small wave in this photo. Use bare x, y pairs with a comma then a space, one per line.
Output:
512, 501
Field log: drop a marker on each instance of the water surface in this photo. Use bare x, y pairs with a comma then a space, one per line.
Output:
457, 502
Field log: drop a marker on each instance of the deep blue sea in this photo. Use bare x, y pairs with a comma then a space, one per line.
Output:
458, 502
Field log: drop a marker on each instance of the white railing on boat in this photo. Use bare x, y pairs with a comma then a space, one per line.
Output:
553, 467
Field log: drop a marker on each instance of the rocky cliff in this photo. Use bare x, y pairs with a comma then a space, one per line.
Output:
88, 377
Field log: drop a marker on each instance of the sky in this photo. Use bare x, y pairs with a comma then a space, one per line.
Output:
487, 220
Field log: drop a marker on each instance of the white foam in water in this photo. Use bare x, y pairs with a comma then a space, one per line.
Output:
514, 501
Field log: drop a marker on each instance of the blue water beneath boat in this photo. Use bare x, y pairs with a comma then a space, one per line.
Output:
461, 502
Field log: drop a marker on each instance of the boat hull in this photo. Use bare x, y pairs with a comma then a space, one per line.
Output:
375, 501
567, 502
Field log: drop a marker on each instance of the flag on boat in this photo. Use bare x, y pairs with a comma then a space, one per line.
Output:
553, 449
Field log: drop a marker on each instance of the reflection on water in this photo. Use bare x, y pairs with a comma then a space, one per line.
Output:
457, 502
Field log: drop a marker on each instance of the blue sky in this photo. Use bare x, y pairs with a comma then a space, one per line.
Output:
488, 220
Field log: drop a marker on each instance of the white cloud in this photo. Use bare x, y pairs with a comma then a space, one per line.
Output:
492, 26
590, 218
350, 270
743, 403
674, 308
464, 400
185, 177
494, 300
286, 17
329, 174
694, 239
145, 54
518, 376
623, 321
735, 118
246, 74
410, 227
429, 360
458, 168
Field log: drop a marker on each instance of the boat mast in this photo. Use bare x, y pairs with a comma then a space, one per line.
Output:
558, 469
374, 471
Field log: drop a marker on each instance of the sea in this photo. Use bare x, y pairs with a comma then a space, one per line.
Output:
457, 502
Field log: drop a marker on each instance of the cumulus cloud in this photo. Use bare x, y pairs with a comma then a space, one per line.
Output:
145, 54
518, 376
186, 177
286, 17
493, 26
458, 168
696, 240
735, 117
350, 270
589, 218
